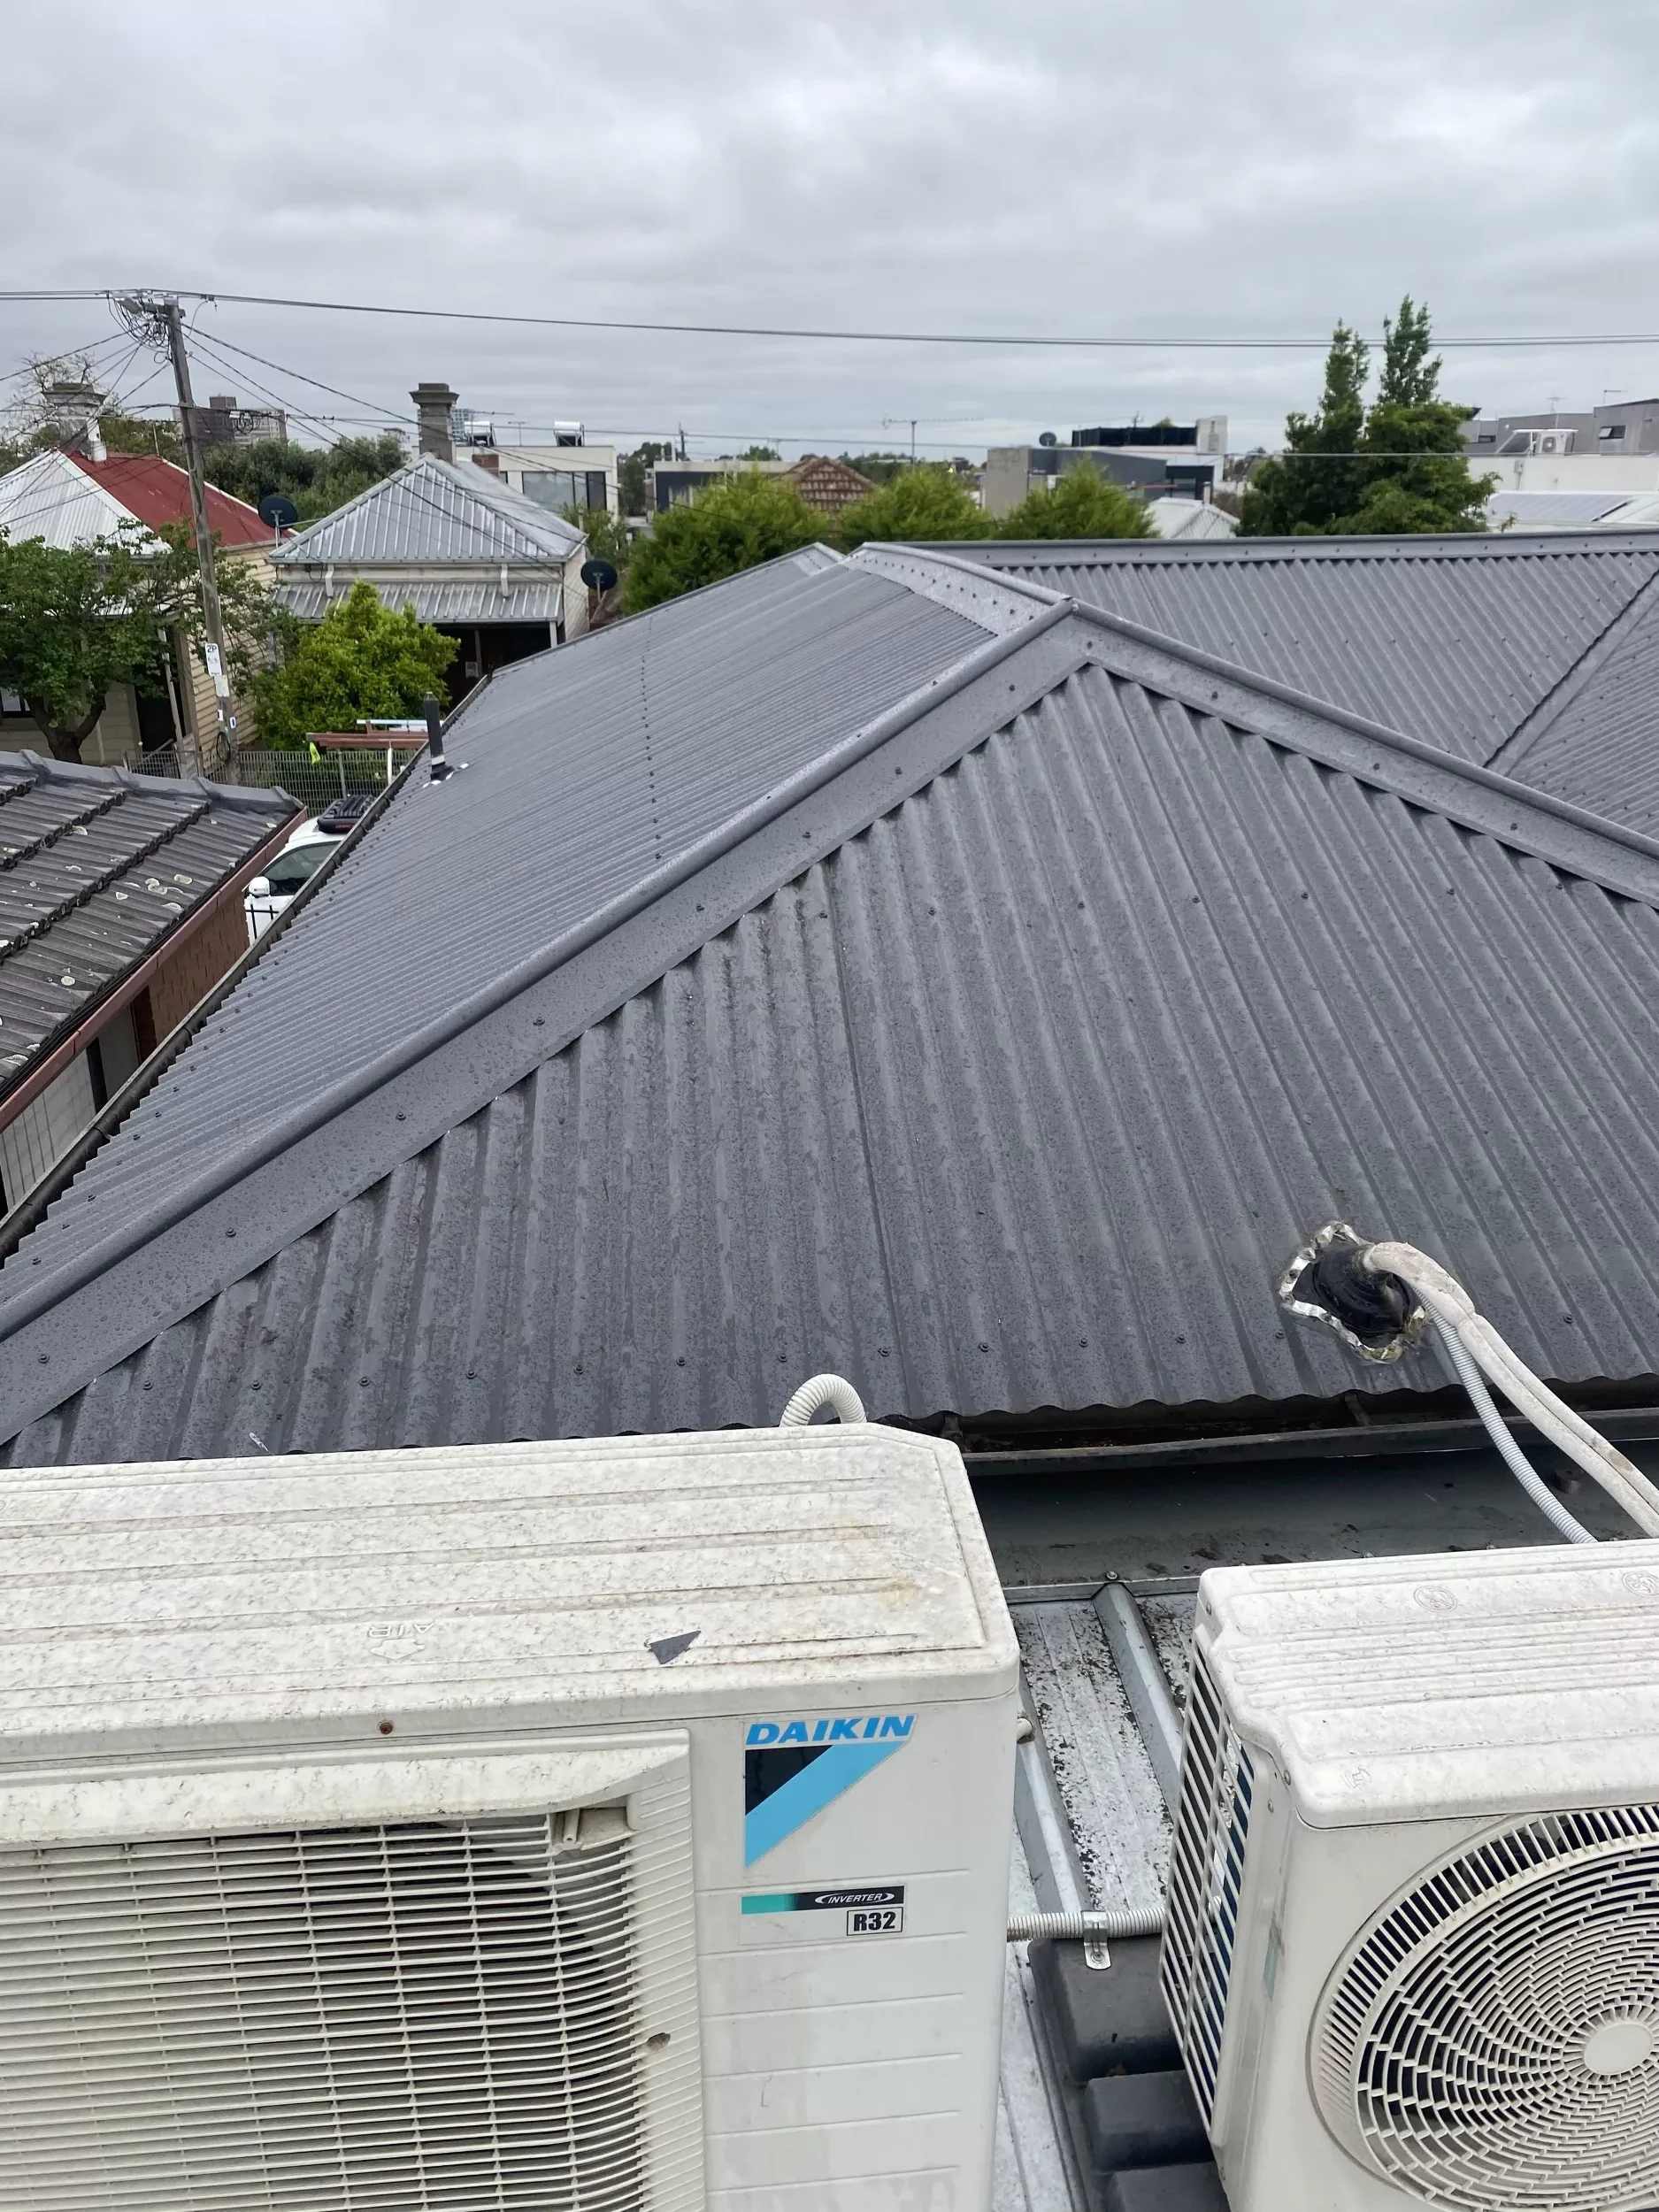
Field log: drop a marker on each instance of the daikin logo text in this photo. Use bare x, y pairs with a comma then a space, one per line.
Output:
835, 1728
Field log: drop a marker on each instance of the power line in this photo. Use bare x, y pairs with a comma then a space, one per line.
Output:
1029, 339
300, 377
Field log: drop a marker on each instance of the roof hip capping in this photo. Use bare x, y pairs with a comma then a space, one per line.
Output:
188, 1197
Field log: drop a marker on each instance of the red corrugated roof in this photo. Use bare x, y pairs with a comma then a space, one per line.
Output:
158, 492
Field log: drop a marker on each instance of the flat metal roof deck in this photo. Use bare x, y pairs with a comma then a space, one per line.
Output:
1086, 1560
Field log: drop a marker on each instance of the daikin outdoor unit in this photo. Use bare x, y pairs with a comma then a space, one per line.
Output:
614, 1827
1412, 1949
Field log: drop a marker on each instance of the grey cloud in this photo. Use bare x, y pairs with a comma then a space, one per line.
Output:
1071, 165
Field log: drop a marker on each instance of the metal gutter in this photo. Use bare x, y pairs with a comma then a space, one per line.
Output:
1380, 1440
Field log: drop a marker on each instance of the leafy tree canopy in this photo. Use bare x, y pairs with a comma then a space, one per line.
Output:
760, 453
1400, 464
630, 474
361, 661
75, 621
607, 535
880, 468
927, 501
1083, 504
316, 479
736, 523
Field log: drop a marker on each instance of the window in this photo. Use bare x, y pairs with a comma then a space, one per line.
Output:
11, 701
557, 488
289, 870
1611, 430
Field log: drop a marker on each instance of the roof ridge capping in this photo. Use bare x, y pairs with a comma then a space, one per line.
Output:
1419, 545
1619, 858
188, 1195
260, 799
1002, 605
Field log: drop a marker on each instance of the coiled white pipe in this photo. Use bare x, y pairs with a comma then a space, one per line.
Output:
1536, 1488
1448, 1303
822, 1390
1117, 1923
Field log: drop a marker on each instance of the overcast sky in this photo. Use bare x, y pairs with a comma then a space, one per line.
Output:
1189, 168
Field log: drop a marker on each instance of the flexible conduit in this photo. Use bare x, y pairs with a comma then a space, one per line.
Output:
823, 1390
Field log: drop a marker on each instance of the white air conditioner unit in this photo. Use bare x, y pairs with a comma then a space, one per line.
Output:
613, 1827
1412, 1948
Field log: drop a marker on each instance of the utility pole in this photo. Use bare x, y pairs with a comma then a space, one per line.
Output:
164, 317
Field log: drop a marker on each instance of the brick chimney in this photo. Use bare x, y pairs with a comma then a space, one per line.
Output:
434, 403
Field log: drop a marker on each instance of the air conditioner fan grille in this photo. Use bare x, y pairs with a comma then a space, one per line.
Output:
1492, 2041
439, 2016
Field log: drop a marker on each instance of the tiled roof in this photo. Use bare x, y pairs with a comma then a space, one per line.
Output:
98, 867
828, 484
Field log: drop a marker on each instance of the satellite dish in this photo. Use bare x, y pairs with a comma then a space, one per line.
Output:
599, 575
1047, 438
281, 513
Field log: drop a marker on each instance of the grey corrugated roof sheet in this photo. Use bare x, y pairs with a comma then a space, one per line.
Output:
98, 867
1001, 1067
431, 514
453, 603
1454, 640
1597, 743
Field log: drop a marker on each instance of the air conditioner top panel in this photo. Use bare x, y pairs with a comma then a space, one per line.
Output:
513, 1584
1444, 1686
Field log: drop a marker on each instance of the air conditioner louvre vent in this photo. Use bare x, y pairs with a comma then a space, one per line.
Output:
1206, 1876
1493, 2040
423, 2017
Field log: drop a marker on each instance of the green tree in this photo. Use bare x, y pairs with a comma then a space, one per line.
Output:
760, 453
880, 468
318, 479
75, 621
633, 492
1399, 465
607, 535
922, 504
736, 523
1083, 504
361, 661
1316, 480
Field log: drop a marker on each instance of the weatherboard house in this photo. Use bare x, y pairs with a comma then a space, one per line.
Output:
494, 570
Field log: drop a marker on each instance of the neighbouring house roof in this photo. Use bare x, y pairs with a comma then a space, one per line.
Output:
99, 868
462, 603
872, 966
1191, 518
828, 484
67, 500
158, 494
1459, 641
431, 514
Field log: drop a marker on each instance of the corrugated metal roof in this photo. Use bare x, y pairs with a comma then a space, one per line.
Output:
51, 499
640, 744
1454, 640
1561, 509
432, 513
97, 867
1600, 747
1017, 1093
435, 602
